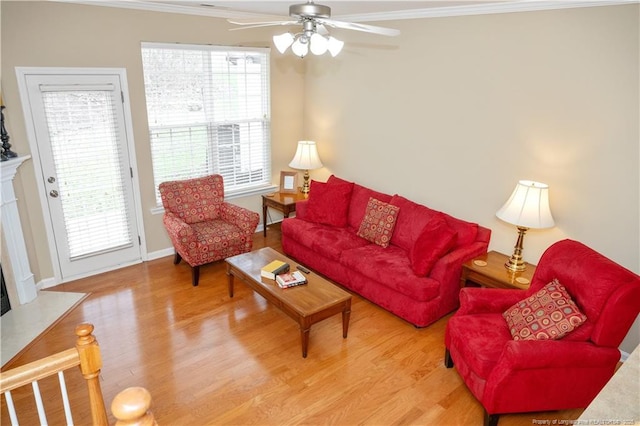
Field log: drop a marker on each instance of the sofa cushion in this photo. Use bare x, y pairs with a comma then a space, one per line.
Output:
378, 222
412, 219
550, 313
336, 179
435, 240
328, 203
467, 231
358, 205
390, 267
325, 240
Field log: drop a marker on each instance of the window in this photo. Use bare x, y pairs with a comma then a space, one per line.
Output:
208, 110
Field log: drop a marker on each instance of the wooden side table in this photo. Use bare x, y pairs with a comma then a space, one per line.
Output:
489, 271
281, 201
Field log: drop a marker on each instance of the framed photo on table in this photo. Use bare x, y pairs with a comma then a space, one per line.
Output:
289, 182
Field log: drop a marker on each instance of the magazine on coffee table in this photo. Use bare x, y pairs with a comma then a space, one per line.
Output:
290, 279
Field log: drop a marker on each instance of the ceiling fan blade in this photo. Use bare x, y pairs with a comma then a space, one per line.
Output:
262, 24
359, 27
274, 21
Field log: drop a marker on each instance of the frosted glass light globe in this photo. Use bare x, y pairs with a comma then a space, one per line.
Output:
283, 41
299, 48
319, 44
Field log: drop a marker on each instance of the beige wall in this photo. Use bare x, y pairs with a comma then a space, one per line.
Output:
456, 110
65, 35
452, 113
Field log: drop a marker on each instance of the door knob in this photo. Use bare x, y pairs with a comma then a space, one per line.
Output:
53, 193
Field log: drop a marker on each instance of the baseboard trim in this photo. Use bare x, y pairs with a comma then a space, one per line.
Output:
46, 283
624, 355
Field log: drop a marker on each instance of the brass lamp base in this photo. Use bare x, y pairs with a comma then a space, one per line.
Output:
305, 186
515, 262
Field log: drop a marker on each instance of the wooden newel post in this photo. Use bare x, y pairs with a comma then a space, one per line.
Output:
90, 365
131, 408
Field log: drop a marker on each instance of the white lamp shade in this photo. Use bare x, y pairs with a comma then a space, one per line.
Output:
299, 48
335, 46
319, 44
306, 157
283, 41
528, 206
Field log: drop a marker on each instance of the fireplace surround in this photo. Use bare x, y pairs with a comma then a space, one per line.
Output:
19, 279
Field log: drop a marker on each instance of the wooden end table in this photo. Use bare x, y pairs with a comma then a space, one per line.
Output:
307, 304
282, 201
493, 274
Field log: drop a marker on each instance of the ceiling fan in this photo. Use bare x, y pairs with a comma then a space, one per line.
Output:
314, 36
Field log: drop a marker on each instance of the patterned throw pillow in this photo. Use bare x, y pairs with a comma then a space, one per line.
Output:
548, 314
378, 222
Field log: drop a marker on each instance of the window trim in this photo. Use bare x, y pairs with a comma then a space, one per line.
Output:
261, 188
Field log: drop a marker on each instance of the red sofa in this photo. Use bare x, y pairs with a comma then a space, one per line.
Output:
515, 370
416, 276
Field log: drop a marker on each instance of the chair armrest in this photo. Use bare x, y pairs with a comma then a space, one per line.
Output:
547, 374
177, 228
547, 354
244, 219
487, 300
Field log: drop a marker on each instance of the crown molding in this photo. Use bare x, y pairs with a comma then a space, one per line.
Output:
158, 6
482, 9
432, 12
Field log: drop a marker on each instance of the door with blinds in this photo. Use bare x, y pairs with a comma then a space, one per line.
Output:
80, 126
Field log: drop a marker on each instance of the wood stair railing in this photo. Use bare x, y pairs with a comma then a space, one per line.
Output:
130, 407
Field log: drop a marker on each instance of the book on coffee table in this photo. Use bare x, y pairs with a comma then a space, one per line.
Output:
290, 279
274, 268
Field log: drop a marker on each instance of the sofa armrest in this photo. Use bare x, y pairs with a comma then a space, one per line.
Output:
487, 300
244, 219
301, 209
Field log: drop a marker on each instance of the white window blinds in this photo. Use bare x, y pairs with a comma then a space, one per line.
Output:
85, 146
208, 111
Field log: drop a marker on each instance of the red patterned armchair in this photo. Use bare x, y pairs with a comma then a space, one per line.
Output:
528, 365
202, 226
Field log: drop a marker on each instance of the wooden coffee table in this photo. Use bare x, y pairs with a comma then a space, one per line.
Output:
307, 304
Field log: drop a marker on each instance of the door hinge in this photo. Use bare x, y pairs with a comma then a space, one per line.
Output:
122, 96
131, 171
139, 240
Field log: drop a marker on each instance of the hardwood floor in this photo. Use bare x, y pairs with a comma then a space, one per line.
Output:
207, 359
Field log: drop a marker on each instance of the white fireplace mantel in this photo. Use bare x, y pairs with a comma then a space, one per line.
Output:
12, 235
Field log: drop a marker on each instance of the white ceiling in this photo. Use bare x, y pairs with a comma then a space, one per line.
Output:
355, 11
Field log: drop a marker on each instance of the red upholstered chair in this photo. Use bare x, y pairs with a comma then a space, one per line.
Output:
202, 226
516, 376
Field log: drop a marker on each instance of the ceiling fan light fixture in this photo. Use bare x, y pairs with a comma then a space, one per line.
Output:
300, 47
313, 18
318, 44
335, 46
283, 41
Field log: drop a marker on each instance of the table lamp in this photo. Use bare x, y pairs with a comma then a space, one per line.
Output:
528, 207
306, 159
